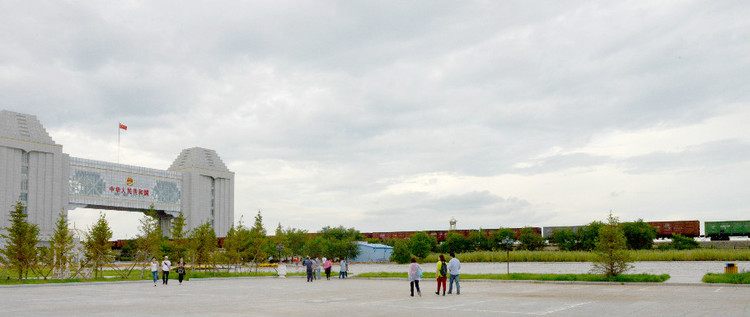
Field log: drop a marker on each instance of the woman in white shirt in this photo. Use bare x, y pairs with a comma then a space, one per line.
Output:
165, 267
155, 270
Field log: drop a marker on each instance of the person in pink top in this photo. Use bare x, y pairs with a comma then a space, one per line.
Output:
327, 266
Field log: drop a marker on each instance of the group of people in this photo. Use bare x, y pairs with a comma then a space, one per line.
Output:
444, 270
166, 266
312, 266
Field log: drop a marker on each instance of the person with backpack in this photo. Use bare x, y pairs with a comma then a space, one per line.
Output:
442, 274
181, 270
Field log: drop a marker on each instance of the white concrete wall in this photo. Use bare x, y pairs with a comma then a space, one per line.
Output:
48, 183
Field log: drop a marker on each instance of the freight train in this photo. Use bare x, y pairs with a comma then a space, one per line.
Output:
440, 235
715, 230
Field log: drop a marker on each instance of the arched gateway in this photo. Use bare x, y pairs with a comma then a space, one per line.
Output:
34, 170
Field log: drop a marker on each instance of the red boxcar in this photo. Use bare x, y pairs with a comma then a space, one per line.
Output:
688, 228
440, 235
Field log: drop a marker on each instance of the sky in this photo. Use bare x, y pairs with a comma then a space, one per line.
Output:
398, 115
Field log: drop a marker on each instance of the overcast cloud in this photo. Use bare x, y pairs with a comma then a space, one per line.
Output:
398, 115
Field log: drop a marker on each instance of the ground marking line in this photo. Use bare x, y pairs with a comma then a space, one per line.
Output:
717, 290
565, 308
464, 304
457, 308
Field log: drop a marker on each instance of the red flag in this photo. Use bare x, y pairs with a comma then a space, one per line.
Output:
124, 127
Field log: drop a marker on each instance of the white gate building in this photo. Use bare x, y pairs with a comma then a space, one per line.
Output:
35, 171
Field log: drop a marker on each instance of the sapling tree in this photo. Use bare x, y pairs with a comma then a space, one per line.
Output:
98, 248
61, 245
202, 244
21, 237
612, 258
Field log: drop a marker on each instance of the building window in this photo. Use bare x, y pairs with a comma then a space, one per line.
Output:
24, 196
213, 198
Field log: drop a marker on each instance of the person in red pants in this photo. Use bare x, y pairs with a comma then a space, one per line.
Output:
442, 274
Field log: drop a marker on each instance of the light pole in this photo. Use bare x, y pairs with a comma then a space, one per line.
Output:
279, 247
507, 243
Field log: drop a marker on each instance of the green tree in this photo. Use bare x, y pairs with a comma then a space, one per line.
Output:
587, 236
179, 241
565, 239
455, 242
612, 257
530, 240
236, 245
98, 248
296, 240
639, 235
479, 241
401, 253
259, 247
315, 247
680, 242
500, 235
149, 239
61, 244
338, 242
21, 237
420, 244
202, 244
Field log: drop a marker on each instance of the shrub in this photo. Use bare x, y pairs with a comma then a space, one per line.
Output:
680, 242
639, 235
401, 253
564, 239
530, 240
421, 244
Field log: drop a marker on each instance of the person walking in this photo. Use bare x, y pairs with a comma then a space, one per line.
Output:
442, 274
181, 270
165, 267
342, 268
327, 266
154, 270
454, 265
415, 275
308, 263
317, 266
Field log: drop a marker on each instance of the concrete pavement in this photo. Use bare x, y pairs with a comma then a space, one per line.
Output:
360, 297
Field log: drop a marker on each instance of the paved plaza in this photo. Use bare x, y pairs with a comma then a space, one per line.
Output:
361, 297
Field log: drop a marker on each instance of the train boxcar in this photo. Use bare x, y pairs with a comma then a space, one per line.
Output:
517, 231
547, 231
440, 235
722, 230
686, 228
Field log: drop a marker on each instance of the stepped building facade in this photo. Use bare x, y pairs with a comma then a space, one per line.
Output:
35, 171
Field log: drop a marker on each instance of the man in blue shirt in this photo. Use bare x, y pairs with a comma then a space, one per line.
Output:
454, 265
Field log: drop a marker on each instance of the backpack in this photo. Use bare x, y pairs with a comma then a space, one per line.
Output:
443, 269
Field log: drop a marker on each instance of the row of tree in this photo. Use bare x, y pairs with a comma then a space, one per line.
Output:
638, 235
23, 255
63, 257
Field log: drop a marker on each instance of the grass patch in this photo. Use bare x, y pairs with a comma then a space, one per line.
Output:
641, 278
739, 278
201, 274
135, 275
62, 281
